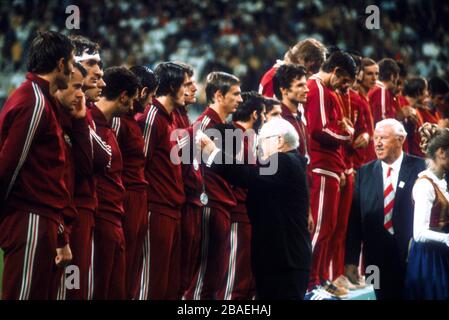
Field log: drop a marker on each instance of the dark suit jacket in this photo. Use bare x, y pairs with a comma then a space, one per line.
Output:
389, 252
277, 207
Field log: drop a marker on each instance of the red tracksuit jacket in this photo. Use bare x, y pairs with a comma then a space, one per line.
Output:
352, 106
130, 140
301, 129
326, 135
266, 83
383, 103
192, 177
78, 149
110, 190
166, 187
32, 156
85, 184
218, 189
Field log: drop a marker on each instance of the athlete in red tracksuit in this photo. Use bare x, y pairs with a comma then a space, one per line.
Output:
223, 92
162, 268
79, 162
383, 103
192, 209
109, 240
34, 199
216, 226
351, 104
327, 137
81, 238
135, 222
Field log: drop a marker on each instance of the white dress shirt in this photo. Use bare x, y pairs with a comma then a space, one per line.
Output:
424, 196
394, 173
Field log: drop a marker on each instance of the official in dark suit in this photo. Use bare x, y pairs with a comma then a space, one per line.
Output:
382, 211
277, 204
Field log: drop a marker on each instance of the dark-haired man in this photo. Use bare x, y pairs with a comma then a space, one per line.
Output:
162, 270
109, 240
382, 96
193, 187
273, 109
130, 140
329, 131
34, 200
224, 95
290, 87
438, 89
416, 95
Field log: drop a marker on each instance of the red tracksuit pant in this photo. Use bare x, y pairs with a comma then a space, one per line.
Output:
324, 198
81, 242
135, 226
109, 261
211, 274
161, 271
190, 244
337, 242
29, 243
240, 284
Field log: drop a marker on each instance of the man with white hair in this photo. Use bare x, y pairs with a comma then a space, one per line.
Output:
382, 212
277, 204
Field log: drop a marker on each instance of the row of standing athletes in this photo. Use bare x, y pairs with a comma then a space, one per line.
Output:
333, 154
165, 243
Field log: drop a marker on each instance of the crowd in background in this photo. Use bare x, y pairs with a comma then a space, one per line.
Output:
241, 37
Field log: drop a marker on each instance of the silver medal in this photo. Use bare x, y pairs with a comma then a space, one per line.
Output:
204, 199
195, 165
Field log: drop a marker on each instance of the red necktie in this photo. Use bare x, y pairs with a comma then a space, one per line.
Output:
388, 202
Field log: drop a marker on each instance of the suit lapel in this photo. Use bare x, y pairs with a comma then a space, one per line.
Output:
379, 182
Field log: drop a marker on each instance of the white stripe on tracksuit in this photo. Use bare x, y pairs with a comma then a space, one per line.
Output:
34, 123
90, 288
30, 253
232, 261
149, 121
204, 254
320, 212
145, 275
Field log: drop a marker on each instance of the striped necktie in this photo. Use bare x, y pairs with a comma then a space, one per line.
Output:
388, 202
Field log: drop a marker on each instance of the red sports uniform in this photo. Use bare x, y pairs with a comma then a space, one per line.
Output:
34, 199
383, 103
266, 83
109, 239
81, 239
327, 137
300, 125
78, 148
216, 225
367, 154
191, 210
352, 106
135, 222
162, 259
